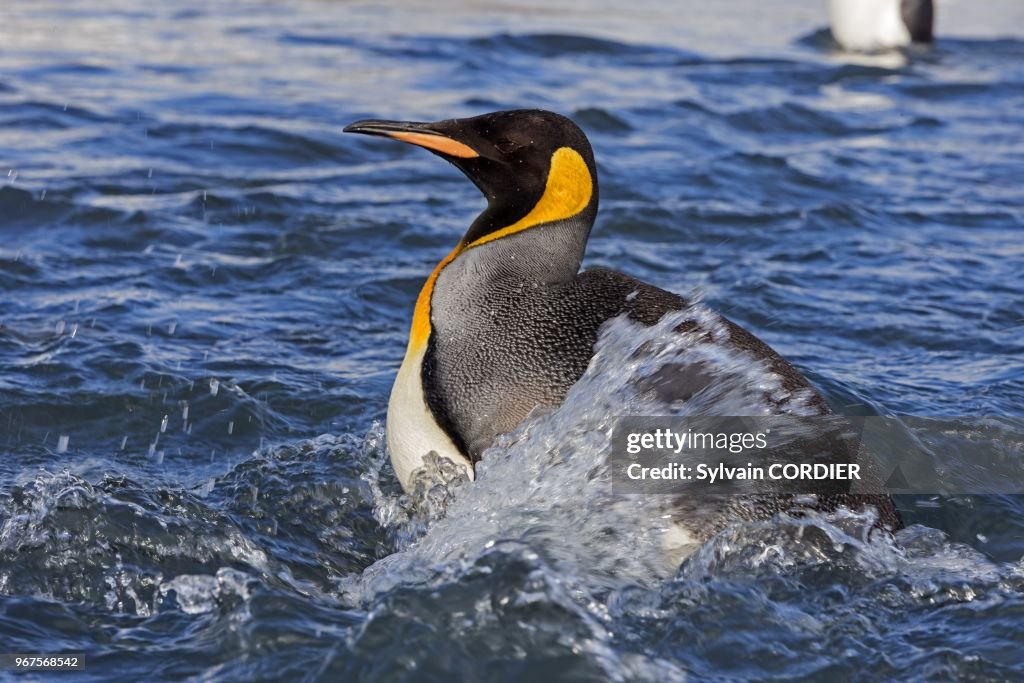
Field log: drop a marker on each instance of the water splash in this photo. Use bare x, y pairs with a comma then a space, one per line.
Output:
547, 484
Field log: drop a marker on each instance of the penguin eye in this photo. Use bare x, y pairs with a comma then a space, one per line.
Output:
506, 146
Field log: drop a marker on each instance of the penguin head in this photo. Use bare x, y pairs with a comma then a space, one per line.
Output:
533, 166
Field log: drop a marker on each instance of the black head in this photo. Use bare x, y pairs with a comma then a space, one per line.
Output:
512, 156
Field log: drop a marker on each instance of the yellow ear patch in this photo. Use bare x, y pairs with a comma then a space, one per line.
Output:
567, 192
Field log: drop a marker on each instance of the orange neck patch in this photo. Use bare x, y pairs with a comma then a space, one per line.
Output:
420, 331
567, 192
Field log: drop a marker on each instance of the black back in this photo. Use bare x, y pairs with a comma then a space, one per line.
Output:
919, 18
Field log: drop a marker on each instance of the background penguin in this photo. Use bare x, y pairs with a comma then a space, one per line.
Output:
507, 322
880, 24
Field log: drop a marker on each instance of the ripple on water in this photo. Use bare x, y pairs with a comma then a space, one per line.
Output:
200, 274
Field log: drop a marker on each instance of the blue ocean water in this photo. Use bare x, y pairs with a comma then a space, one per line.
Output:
205, 290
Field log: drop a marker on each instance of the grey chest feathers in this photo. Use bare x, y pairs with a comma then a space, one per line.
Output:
508, 336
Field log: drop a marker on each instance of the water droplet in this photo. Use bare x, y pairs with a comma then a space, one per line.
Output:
59, 328
124, 441
163, 424
62, 443
214, 387
172, 327
231, 427
184, 412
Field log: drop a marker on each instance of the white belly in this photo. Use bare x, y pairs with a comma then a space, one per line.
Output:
412, 432
868, 24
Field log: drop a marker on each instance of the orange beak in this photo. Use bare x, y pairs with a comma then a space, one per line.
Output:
419, 134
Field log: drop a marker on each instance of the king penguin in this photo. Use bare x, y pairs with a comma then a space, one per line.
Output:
865, 25
507, 322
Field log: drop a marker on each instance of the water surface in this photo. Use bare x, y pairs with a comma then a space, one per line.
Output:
206, 290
